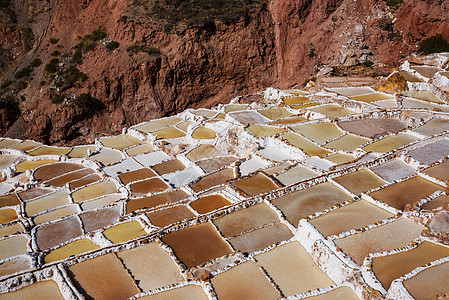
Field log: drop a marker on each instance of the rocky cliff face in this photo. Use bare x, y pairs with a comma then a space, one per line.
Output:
281, 43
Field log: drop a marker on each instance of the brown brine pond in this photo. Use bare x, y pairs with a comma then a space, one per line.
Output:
152, 185
197, 244
245, 281
406, 192
202, 133
151, 266
353, 216
170, 215
213, 179
139, 174
388, 268
293, 269
386, 237
261, 238
302, 203
135, 204
168, 166
360, 181
429, 283
209, 203
245, 219
256, 184
103, 277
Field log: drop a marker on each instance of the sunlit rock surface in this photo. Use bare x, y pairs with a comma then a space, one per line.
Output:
337, 192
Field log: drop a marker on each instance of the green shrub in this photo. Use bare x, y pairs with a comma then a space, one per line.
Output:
72, 76
312, 53
394, 3
27, 38
98, 34
87, 43
83, 100
134, 48
5, 84
36, 63
52, 66
77, 57
112, 45
25, 72
142, 48
21, 85
368, 63
54, 41
88, 104
151, 50
55, 53
5, 58
5, 8
11, 105
386, 24
434, 44
59, 83
57, 98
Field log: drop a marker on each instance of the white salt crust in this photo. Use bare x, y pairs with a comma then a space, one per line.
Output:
323, 251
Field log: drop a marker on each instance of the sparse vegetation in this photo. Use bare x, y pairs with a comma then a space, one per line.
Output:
394, 3
21, 85
196, 13
83, 100
434, 44
88, 104
52, 66
5, 8
57, 98
312, 53
65, 74
54, 41
72, 76
36, 63
368, 63
112, 45
5, 84
143, 48
25, 72
77, 57
8, 23
87, 43
312, 50
97, 34
27, 38
387, 25
4, 57
11, 105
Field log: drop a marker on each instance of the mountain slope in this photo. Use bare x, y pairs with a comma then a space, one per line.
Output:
169, 58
